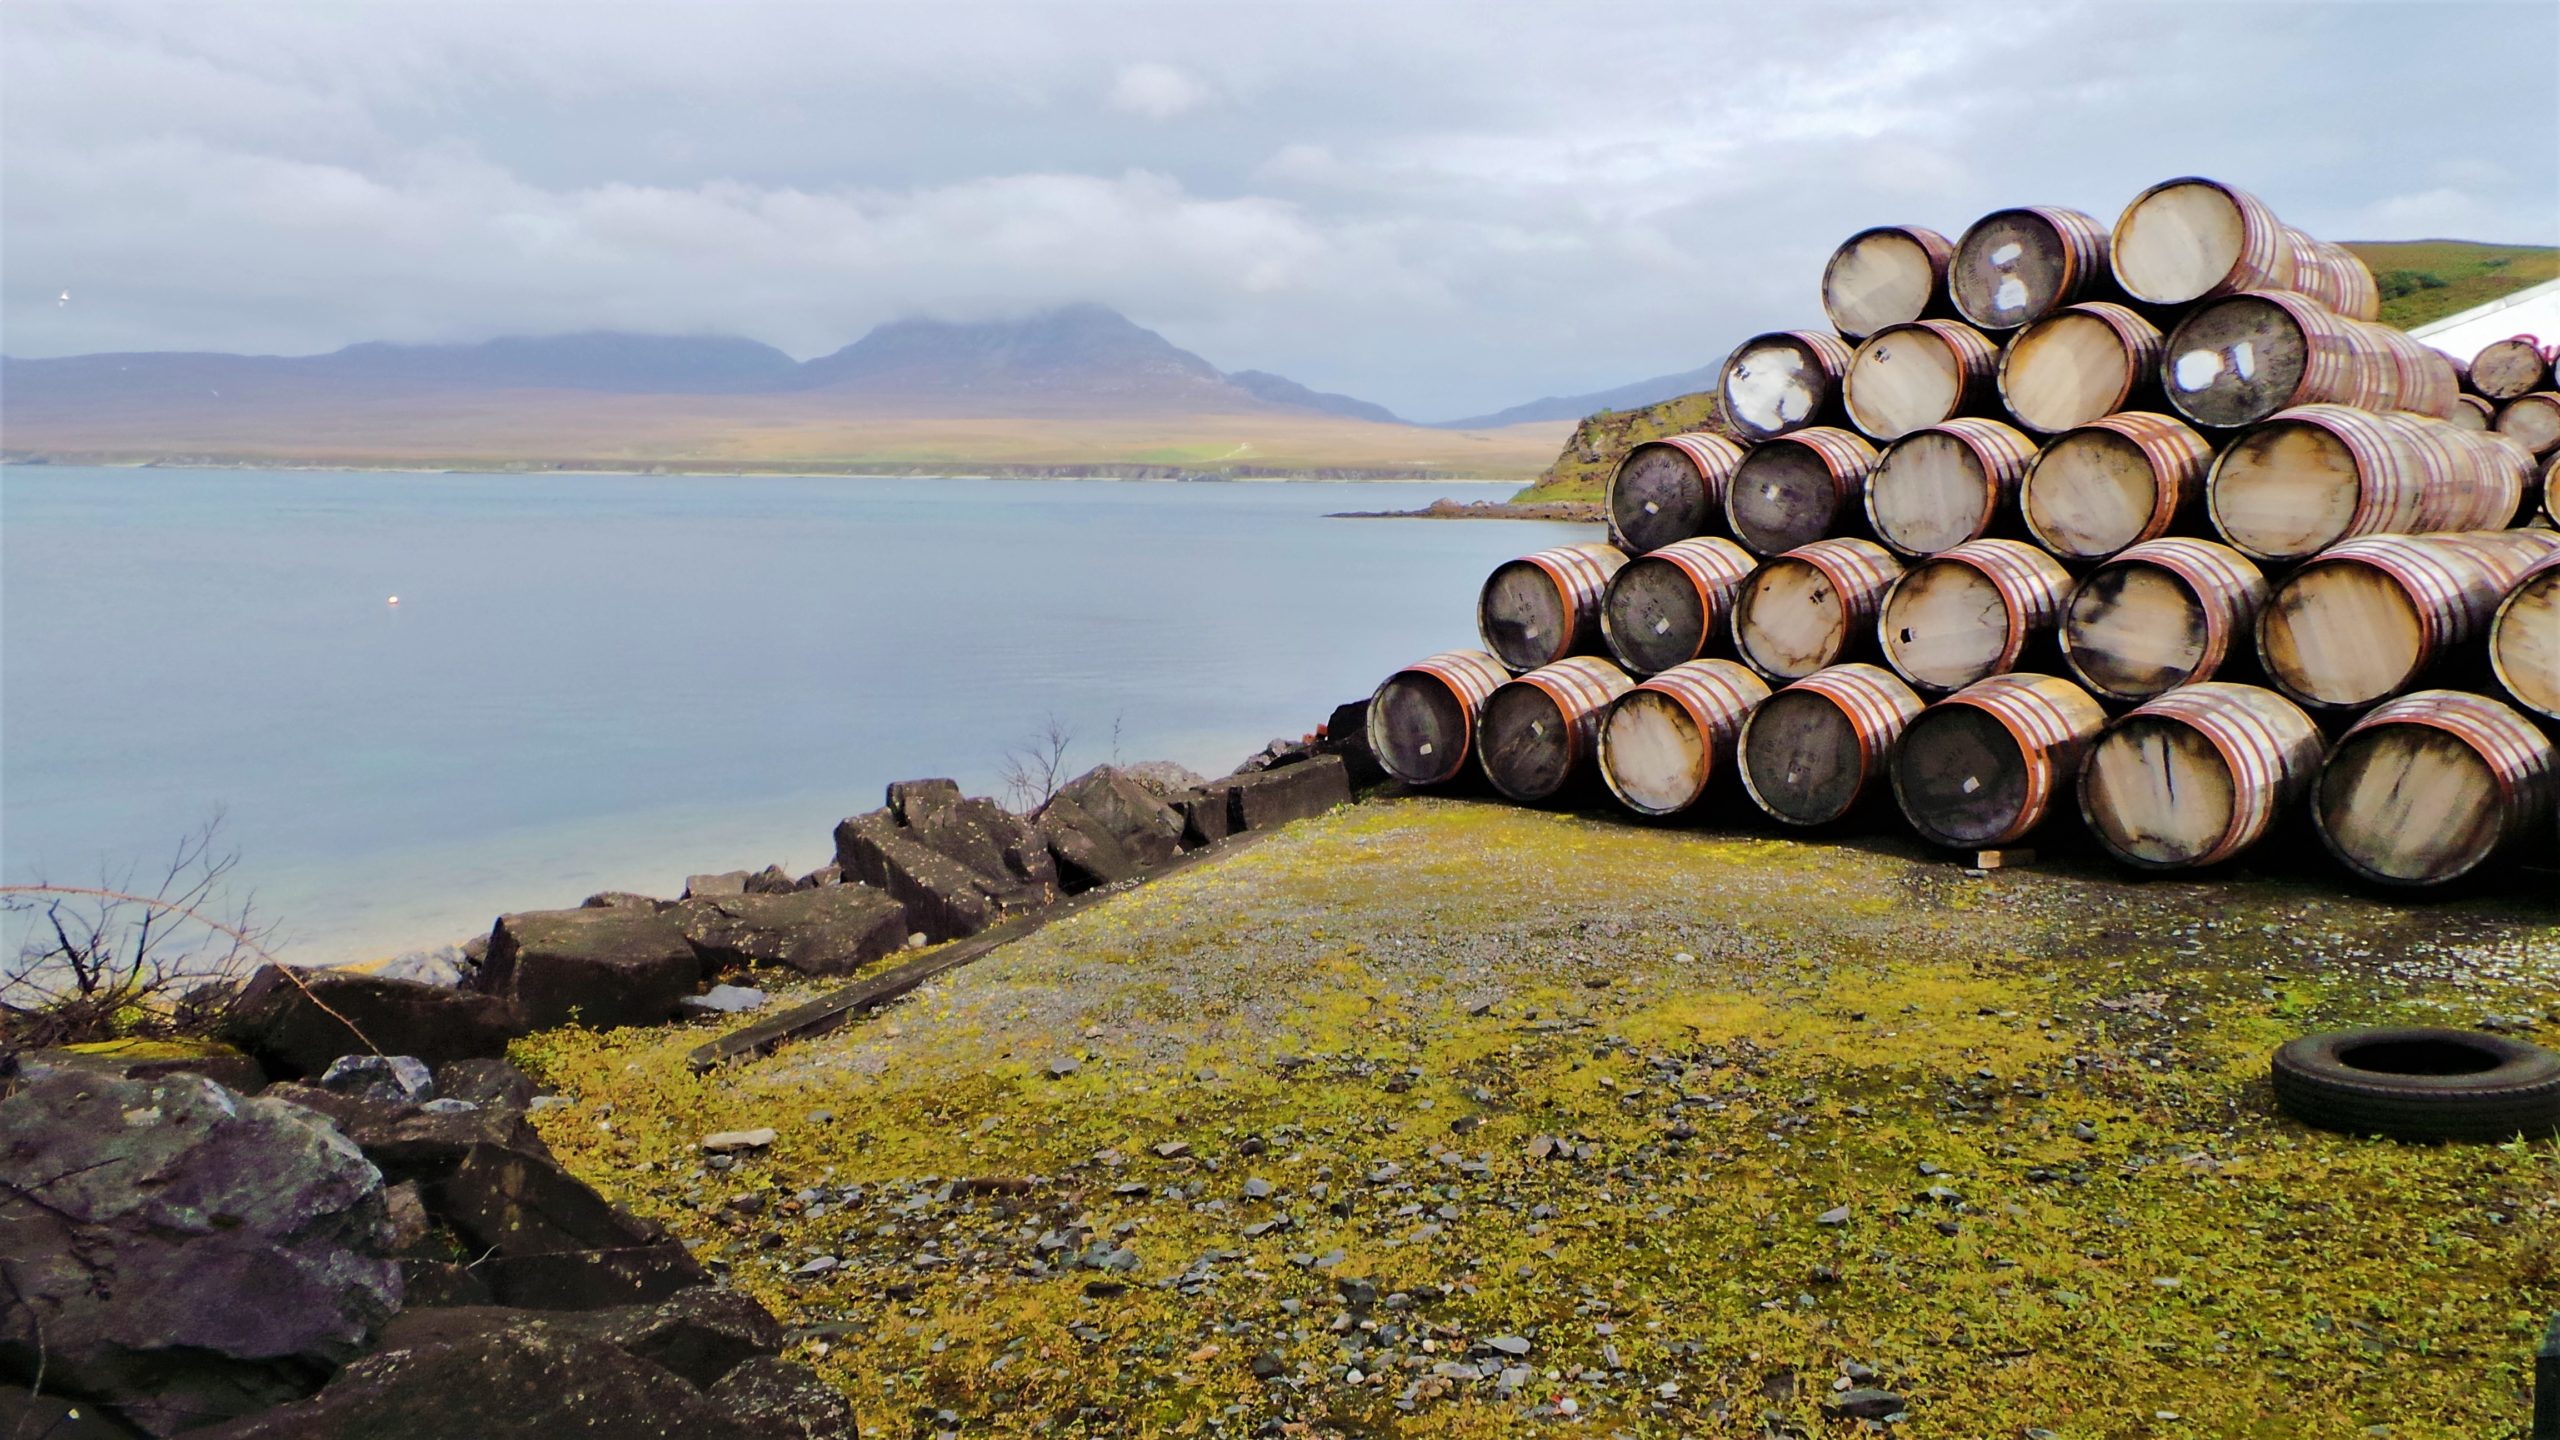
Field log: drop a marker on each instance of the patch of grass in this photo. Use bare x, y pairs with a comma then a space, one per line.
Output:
2436, 278
1591, 454
1393, 1015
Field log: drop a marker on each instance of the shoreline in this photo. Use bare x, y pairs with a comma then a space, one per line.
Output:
1569, 512
1137, 473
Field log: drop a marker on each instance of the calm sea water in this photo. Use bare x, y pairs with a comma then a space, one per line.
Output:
610, 682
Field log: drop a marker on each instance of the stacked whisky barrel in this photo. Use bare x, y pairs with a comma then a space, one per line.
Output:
2156, 518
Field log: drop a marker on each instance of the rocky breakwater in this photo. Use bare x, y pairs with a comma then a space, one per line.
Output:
334, 1219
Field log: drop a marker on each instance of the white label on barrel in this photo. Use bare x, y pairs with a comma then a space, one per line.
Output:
1662, 627
1428, 747
1970, 785
1529, 634
2197, 368
2244, 359
2007, 255
1650, 508
1538, 728
1769, 492
2012, 294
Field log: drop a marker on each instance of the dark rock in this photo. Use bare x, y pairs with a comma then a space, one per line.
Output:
771, 880
944, 898
489, 1084
1087, 854
432, 1283
291, 1029
598, 968
1136, 816
1268, 799
727, 882
916, 804
833, 931
778, 1400
512, 1204
1269, 1366
1208, 813
993, 841
1864, 1403
530, 1380
225, 1065
591, 1279
138, 1216
475, 950
1163, 778
1275, 755
400, 1079
701, 1333
27, 1416
614, 900
1346, 736
823, 876
408, 1143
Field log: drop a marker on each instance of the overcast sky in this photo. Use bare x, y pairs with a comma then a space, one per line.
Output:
1444, 209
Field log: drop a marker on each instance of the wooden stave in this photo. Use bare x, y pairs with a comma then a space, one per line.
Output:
1876, 704
2228, 591
1580, 574
2532, 422
2051, 721
2004, 453
2509, 369
1830, 357
2451, 583
1715, 566
1858, 572
1712, 458
2271, 749
2141, 340
2345, 361
2414, 475
1470, 677
2522, 761
2551, 490
1845, 458
2178, 458
2334, 276
2266, 259
2543, 579
2032, 587
2082, 248
1580, 687
1717, 696
1975, 356
1935, 246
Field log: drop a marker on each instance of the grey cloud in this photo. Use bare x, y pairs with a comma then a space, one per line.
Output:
1441, 209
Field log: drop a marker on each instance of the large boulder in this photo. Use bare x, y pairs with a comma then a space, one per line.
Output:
1207, 811
782, 1401
179, 1252
526, 1380
1132, 812
1085, 850
1346, 734
405, 1142
548, 1242
1268, 799
225, 1065
600, 968
295, 1024
701, 1333
944, 898
991, 840
832, 931
918, 803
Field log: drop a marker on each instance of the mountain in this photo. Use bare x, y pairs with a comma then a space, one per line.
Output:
1077, 356
1280, 390
1574, 407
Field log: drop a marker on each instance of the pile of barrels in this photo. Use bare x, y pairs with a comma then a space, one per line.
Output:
2157, 518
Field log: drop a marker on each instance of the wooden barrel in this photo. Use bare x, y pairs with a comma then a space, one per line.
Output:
2314, 475
1810, 752
2013, 266
1936, 488
2473, 413
2551, 489
1670, 489
2162, 614
1889, 275
1535, 735
2114, 482
2428, 787
2510, 369
2237, 360
1797, 488
2332, 275
1540, 608
2532, 421
1422, 721
2365, 620
2191, 238
1970, 613
1906, 376
1982, 767
2198, 775
1673, 605
1812, 607
1663, 743
2524, 640
2077, 364
1782, 381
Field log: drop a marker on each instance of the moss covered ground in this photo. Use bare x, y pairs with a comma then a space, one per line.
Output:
1439, 1118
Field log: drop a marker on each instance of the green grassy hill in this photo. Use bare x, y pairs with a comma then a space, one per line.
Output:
2421, 281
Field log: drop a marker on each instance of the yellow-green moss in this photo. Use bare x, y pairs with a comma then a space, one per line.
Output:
1427, 977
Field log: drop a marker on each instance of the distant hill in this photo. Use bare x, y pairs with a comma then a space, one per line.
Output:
1574, 407
1280, 390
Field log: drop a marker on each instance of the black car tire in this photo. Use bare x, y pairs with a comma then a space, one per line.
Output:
2420, 1083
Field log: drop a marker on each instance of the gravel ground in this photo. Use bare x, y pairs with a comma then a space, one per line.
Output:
1438, 1117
